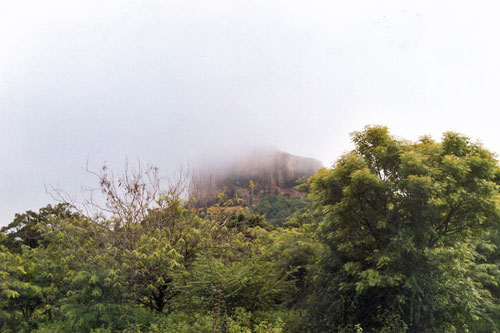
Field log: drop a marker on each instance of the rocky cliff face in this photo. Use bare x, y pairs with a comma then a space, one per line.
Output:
263, 171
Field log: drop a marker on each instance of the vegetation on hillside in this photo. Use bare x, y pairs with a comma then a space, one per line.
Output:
277, 208
397, 236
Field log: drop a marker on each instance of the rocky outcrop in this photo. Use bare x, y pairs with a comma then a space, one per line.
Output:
261, 172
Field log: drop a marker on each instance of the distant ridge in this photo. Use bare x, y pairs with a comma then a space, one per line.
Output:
261, 172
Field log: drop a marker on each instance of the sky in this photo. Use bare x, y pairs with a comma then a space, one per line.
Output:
171, 83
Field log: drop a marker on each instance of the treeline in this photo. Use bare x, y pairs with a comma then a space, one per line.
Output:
397, 236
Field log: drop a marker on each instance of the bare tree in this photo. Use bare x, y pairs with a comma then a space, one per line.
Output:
131, 198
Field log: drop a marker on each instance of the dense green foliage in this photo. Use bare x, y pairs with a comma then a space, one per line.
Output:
277, 208
397, 236
403, 223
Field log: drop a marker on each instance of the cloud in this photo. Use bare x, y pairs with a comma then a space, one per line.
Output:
170, 81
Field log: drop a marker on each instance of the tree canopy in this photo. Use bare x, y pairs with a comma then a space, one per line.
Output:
402, 221
397, 236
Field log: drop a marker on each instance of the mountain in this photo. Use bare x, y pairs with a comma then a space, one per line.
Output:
261, 172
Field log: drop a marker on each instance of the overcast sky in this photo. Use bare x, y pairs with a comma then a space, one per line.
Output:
170, 82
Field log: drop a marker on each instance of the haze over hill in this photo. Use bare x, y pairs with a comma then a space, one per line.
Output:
263, 171
167, 81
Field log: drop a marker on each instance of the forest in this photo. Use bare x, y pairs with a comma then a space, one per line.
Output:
395, 236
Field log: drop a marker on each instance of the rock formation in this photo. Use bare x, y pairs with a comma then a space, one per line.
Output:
261, 172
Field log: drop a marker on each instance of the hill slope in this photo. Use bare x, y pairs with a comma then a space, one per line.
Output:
261, 172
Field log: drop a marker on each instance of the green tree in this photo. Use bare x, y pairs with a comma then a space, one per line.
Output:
236, 272
399, 220
25, 228
18, 298
25, 291
277, 208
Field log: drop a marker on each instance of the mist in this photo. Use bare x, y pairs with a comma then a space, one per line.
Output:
175, 84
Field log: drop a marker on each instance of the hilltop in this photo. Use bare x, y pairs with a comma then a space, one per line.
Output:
251, 177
